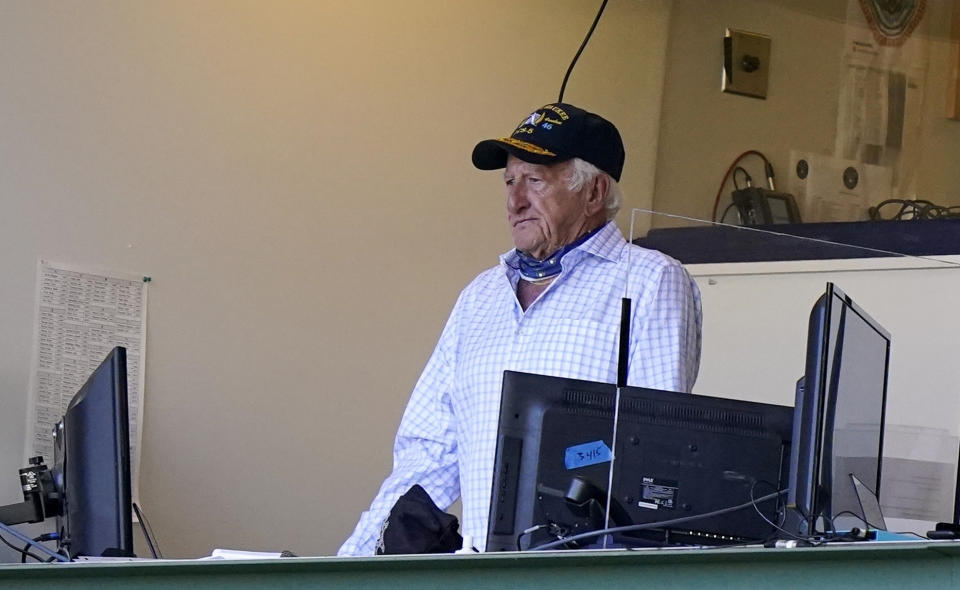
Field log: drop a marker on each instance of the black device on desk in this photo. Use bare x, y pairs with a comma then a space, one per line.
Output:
758, 206
88, 488
677, 454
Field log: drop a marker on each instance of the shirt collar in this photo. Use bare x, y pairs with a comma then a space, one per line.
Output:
607, 243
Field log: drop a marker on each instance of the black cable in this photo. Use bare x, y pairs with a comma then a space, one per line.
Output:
148, 534
913, 209
43, 548
746, 178
23, 552
529, 531
756, 506
866, 524
777, 526
44, 537
829, 529
921, 537
655, 525
727, 210
579, 51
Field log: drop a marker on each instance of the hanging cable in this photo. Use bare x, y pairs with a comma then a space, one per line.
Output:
746, 178
579, 51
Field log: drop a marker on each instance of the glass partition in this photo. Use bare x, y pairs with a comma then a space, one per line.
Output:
759, 286
805, 142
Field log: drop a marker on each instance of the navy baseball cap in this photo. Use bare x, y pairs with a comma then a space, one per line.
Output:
555, 133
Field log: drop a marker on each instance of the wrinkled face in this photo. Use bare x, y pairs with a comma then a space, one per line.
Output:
544, 214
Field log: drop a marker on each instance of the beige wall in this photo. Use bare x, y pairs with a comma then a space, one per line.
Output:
295, 177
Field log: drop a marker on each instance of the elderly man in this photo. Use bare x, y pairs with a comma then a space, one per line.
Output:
552, 307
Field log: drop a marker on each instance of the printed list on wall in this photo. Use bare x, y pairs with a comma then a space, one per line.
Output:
81, 315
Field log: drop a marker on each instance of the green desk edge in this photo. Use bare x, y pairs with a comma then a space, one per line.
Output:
861, 565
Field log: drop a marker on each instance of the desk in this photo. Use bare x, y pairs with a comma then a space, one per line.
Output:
864, 565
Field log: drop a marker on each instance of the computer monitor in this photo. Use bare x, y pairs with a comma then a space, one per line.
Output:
91, 467
682, 454
677, 454
839, 417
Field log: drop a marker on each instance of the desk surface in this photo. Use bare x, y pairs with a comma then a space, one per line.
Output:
863, 565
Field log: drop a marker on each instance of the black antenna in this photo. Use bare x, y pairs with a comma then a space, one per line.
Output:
624, 354
579, 51
147, 532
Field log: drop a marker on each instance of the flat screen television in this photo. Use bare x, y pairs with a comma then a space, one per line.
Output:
91, 468
677, 454
840, 414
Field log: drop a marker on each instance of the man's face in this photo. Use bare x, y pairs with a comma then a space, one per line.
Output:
544, 215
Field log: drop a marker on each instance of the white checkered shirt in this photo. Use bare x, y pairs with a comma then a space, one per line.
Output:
448, 435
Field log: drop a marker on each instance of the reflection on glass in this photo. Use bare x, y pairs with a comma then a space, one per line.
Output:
860, 109
758, 285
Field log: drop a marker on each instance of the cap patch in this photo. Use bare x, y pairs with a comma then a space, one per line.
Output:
540, 119
534, 119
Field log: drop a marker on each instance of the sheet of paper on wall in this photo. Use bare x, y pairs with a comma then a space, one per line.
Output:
881, 95
80, 315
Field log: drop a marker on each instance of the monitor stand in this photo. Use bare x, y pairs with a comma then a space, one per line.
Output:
869, 505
